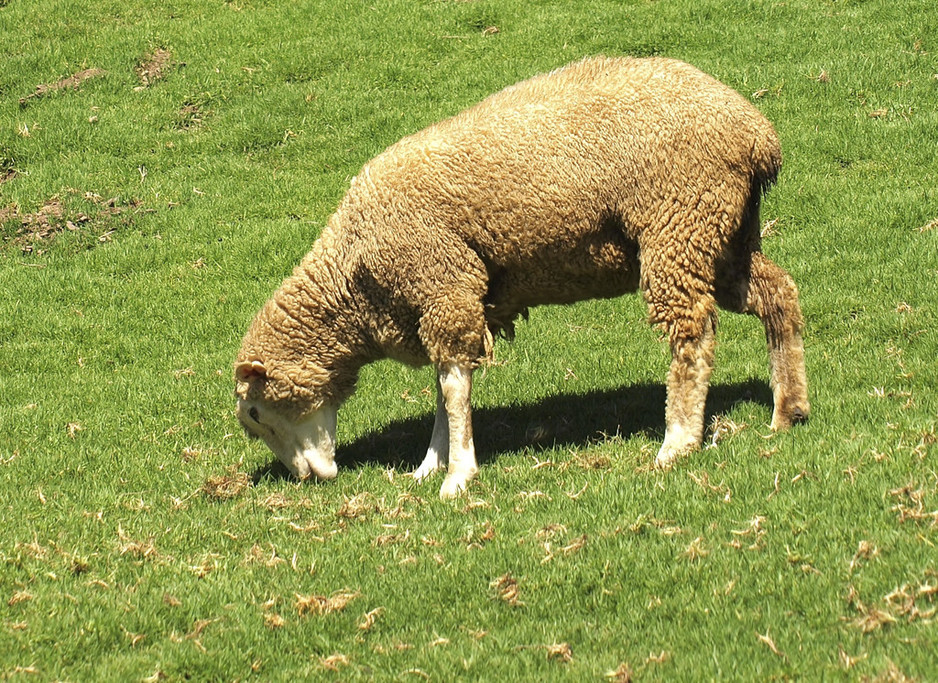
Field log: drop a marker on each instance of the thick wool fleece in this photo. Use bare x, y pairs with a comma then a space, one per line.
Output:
604, 177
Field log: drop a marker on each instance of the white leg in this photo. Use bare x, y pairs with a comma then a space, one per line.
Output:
456, 387
438, 452
677, 442
688, 380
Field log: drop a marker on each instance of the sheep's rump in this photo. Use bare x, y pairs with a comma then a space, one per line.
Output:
585, 182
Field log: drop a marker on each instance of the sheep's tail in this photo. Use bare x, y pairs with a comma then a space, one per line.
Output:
766, 160
766, 163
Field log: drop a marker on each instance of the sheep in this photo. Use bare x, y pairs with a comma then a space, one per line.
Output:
607, 176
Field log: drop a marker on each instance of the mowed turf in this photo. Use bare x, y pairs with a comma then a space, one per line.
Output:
164, 166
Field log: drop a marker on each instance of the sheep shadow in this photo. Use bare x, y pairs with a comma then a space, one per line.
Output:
564, 420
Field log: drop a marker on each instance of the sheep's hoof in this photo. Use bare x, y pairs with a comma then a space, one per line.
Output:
424, 471
431, 463
669, 455
790, 415
455, 484
665, 460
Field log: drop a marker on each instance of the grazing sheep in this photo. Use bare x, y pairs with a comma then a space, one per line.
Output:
604, 177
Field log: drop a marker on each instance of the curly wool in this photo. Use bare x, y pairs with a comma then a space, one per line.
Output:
603, 177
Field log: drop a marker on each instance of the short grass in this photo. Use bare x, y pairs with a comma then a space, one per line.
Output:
178, 160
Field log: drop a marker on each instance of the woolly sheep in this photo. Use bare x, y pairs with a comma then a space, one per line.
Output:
600, 178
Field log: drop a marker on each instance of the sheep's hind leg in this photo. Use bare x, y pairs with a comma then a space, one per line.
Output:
773, 297
438, 452
455, 382
688, 382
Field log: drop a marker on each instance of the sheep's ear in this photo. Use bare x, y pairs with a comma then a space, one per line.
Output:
247, 370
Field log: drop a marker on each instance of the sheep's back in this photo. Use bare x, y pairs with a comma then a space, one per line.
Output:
575, 170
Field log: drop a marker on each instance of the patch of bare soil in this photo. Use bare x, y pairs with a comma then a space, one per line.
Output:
37, 230
154, 67
72, 82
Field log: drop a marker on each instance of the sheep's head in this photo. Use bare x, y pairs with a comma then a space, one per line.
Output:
289, 415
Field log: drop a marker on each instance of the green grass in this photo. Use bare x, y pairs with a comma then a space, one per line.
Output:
143, 537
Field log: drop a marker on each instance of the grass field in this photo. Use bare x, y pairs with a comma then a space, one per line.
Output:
164, 165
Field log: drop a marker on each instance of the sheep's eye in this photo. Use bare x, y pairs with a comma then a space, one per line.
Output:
252, 413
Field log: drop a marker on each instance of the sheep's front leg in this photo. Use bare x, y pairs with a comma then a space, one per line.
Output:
455, 384
688, 381
438, 452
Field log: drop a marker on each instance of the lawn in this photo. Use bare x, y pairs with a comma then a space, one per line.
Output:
163, 166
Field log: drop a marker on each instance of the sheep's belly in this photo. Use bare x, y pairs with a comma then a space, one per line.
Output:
597, 270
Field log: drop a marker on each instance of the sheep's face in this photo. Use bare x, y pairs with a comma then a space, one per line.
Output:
301, 436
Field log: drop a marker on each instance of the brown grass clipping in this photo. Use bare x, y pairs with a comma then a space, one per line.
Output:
562, 652
226, 486
359, 507
319, 605
622, 674
369, 618
507, 589
333, 662
143, 550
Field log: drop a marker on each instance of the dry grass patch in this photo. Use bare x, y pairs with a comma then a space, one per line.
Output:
548, 533
260, 555
320, 604
591, 461
902, 601
622, 674
38, 229
911, 505
391, 539
226, 486
144, 550
562, 652
405, 503
479, 534
891, 674
360, 506
18, 597
274, 621
872, 618
369, 619
696, 550
722, 427
334, 662
507, 589
703, 481
914, 603
769, 642
754, 531
865, 551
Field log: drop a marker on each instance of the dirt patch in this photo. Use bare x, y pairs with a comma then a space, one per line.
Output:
72, 82
36, 227
154, 67
34, 232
